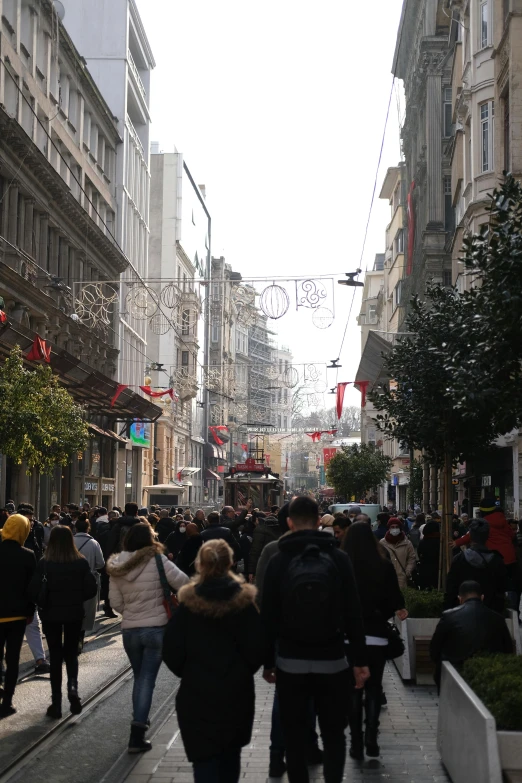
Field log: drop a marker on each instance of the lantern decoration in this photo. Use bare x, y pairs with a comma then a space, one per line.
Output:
274, 301
290, 377
169, 296
322, 318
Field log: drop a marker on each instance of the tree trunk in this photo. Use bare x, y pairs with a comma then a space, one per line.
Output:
426, 486
433, 487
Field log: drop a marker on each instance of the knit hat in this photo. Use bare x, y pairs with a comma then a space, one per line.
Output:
16, 528
394, 522
488, 504
479, 531
327, 520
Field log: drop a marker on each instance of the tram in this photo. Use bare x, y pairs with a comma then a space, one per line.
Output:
253, 480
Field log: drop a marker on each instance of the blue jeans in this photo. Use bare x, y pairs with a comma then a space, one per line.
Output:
143, 647
224, 768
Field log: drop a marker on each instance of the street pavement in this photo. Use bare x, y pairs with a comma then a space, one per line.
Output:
407, 740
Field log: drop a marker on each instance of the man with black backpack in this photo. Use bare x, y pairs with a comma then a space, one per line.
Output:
310, 604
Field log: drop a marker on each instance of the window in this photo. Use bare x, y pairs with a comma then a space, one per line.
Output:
507, 135
215, 333
184, 358
447, 276
396, 197
397, 295
449, 212
484, 31
448, 112
372, 314
487, 114
185, 322
398, 245
285, 422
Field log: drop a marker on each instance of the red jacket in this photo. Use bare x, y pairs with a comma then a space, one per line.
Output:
500, 537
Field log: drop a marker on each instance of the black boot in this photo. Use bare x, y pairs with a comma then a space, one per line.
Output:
6, 707
277, 766
72, 695
108, 610
55, 710
137, 741
372, 708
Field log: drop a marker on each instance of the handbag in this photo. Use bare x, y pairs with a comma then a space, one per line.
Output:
43, 593
170, 602
395, 644
410, 580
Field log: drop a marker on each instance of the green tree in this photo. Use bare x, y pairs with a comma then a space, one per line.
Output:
40, 424
356, 470
415, 488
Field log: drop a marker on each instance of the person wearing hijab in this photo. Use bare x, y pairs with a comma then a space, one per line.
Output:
327, 521
186, 560
17, 566
401, 551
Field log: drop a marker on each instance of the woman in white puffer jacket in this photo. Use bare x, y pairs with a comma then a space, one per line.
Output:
137, 593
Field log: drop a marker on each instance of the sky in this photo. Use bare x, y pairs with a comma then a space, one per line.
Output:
279, 109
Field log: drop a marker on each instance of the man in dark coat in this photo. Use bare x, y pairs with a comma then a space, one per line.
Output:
165, 526
186, 559
268, 529
478, 564
17, 566
469, 629
216, 530
122, 525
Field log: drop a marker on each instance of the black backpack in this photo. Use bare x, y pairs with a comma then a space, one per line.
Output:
311, 598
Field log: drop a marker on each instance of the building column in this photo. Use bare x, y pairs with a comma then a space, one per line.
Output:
20, 233
435, 193
43, 253
28, 226
12, 233
53, 252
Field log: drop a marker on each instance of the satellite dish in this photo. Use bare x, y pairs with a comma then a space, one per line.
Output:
60, 10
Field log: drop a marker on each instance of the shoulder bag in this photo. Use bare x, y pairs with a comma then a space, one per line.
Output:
395, 643
409, 578
170, 602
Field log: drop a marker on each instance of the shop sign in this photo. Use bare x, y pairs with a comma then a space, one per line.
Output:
486, 481
107, 487
91, 486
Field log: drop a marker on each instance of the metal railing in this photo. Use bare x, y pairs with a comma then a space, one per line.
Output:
136, 73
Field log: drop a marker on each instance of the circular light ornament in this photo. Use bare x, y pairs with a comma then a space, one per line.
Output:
274, 301
322, 318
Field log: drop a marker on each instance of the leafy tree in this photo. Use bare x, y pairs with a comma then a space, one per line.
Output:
416, 486
40, 423
357, 469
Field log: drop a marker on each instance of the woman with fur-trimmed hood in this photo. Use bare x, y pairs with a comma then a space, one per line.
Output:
136, 592
214, 643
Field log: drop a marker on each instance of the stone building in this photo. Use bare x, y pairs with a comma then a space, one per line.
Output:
58, 207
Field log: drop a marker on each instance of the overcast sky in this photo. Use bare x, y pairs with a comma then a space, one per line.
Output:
279, 109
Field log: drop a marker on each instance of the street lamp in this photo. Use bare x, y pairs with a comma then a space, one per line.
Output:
351, 279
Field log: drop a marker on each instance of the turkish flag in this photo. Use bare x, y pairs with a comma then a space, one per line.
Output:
341, 388
327, 456
362, 386
40, 349
119, 388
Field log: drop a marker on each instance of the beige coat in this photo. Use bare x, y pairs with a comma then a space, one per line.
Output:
403, 558
135, 588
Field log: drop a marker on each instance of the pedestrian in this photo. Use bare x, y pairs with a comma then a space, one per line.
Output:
176, 539
479, 564
327, 521
153, 520
401, 551
214, 644
91, 550
427, 574
468, 630
199, 519
17, 566
136, 591
60, 586
52, 520
382, 525
415, 532
216, 530
33, 632
309, 605
380, 598
267, 529
246, 536
165, 526
340, 526
120, 529
501, 539
186, 559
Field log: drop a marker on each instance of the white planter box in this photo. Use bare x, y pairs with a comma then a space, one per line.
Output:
410, 628
514, 630
470, 746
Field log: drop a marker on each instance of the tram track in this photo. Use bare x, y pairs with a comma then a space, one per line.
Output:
49, 737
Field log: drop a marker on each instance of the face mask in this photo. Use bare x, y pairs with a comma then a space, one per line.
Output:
54, 522
395, 531
182, 528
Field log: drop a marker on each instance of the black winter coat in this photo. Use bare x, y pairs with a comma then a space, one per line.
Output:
467, 630
186, 559
35, 539
117, 534
219, 531
17, 566
481, 565
428, 567
214, 643
266, 531
380, 597
164, 528
69, 585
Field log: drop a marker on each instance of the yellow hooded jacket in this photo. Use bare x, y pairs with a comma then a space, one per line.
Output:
16, 528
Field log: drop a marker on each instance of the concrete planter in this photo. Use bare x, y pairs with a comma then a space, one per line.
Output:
470, 746
410, 628
514, 630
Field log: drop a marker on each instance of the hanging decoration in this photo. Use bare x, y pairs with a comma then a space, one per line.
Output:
169, 296
328, 454
316, 436
363, 387
120, 387
341, 388
218, 429
142, 302
147, 390
290, 377
159, 324
39, 351
93, 303
309, 293
3, 317
322, 318
274, 301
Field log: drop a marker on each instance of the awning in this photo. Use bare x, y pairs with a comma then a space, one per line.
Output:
87, 386
106, 433
372, 361
209, 474
189, 471
164, 488
213, 451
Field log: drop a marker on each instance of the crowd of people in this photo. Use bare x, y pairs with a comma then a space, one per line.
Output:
304, 596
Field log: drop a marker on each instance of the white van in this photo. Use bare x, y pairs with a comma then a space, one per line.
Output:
371, 509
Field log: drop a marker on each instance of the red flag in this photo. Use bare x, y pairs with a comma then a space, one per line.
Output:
40, 349
3, 317
170, 392
316, 436
244, 446
119, 388
214, 431
362, 386
327, 455
341, 388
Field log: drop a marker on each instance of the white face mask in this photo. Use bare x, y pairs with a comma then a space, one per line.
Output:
182, 528
55, 522
394, 531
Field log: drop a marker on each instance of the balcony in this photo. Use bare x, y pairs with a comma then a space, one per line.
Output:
137, 78
134, 136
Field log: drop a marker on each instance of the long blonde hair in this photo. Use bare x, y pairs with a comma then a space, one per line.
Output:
214, 561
